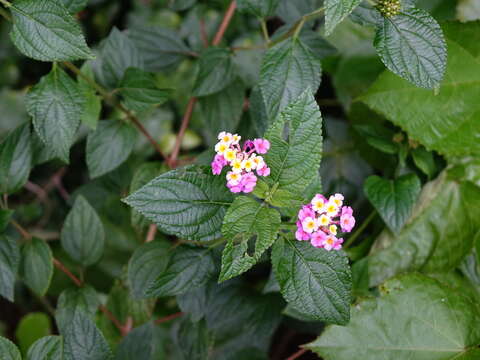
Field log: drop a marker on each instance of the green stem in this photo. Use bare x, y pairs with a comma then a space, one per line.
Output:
5, 14
5, 3
263, 24
360, 230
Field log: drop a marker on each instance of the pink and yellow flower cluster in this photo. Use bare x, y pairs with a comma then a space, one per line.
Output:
244, 161
319, 221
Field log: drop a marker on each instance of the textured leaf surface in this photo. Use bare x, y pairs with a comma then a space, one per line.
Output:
393, 199
244, 219
8, 350
288, 69
137, 345
109, 146
71, 301
9, 263
93, 103
315, 282
215, 72
37, 265
259, 8
46, 348
15, 159
336, 11
56, 105
32, 327
412, 46
192, 341
74, 6
82, 234
189, 202
44, 30
295, 162
432, 321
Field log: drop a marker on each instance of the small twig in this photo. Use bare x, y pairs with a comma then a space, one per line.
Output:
225, 22
67, 272
37, 190
5, 14
360, 229
124, 329
297, 354
168, 318
181, 133
25, 234
203, 33
152, 231
57, 180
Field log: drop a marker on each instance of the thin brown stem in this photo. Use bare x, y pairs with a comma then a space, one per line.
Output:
152, 231
124, 329
181, 133
225, 22
67, 272
297, 354
168, 318
203, 33
25, 234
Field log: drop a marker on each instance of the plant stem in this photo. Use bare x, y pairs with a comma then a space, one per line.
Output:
5, 14
5, 3
152, 231
25, 234
181, 133
225, 22
263, 24
297, 354
362, 227
168, 318
67, 272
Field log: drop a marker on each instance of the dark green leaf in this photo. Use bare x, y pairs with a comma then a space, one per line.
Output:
71, 301
295, 162
9, 263
109, 146
412, 46
36, 266
336, 11
216, 71
83, 340
56, 106
245, 219
288, 70
194, 302
188, 202
192, 340
315, 282
46, 348
15, 159
187, 269
44, 30
74, 6
259, 8
290, 11
5, 216
93, 102
137, 345
82, 234
441, 325
148, 262
31, 328
140, 90
8, 350
393, 199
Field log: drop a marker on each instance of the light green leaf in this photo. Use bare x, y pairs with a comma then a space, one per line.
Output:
46, 348
148, 262
36, 266
215, 72
315, 282
259, 8
109, 146
31, 328
83, 340
93, 103
56, 106
137, 345
393, 199
9, 263
245, 219
15, 159
424, 160
71, 301
74, 6
432, 321
295, 162
336, 11
82, 236
187, 269
453, 130
44, 30
411, 44
8, 350
140, 90
189, 202
288, 69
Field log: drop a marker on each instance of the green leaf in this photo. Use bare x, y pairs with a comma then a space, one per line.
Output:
393, 199
9, 264
437, 236
259, 8
82, 234
295, 162
411, 44
222, 111
288, 70
137, 345
189, 203
109, 146
71, 301
425, 161
245, 219
56, 106
8, 350
192, 340
159, 47
15, 159
432, 321
215, 72
148, 262
36, 266
140, 90
83, 340
31, 328
452, 131
93, 103
336, 11
315, 282
74, 6
46, 348
5, 216
44, 30
194, 303
187, 269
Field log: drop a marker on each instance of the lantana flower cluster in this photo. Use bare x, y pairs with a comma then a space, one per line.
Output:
244, 161
320, 221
